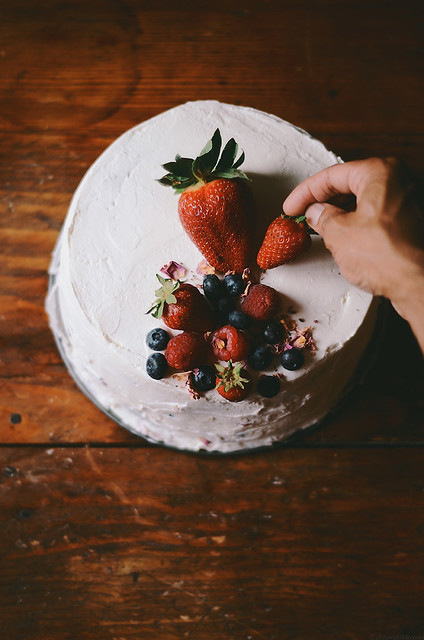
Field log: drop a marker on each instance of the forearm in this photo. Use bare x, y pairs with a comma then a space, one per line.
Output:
410, 305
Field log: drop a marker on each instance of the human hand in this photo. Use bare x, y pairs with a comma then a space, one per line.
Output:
378, 240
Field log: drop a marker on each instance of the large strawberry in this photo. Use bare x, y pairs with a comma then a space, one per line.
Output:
182, 306
286, 238
216, 206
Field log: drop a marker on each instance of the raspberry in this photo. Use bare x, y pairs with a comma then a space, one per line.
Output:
229, 343
262, 302
185, 351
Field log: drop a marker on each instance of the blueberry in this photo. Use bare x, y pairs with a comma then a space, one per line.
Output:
156, 366
239, 320
268, 386
223, 307
204, 378
212, 287
261, 357
234, 284
292, 359
157, 339
273, 332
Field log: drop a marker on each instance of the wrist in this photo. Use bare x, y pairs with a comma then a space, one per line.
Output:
409, 302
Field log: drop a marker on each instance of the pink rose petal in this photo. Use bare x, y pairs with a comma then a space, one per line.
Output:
174, 270
204, 268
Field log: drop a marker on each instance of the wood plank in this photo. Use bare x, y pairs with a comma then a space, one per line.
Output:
152, 543
337, 63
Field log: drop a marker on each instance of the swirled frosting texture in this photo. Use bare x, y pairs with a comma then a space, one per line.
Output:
122, 227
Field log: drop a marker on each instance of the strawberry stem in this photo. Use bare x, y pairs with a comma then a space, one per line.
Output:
209, 165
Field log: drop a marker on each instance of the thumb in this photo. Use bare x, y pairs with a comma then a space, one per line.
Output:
319, 214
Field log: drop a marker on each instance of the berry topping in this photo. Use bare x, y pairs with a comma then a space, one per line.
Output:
239, 320
223, 307
268, 386
186, 351
261, 357
286, 238
217, 211
292, 359
228, 343
156, 366
273, 332
234, 284
174, 270
182, 306
261, 302
203, 378
232, 382
157, 339
212, 287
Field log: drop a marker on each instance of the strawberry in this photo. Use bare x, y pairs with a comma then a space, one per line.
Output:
228, 343
186, 351
232, 382
261, 302
286, 238
216, 206
182, 306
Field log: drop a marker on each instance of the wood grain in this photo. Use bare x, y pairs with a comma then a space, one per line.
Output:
289, 544
322, 538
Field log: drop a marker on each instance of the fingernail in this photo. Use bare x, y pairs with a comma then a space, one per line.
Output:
313, 213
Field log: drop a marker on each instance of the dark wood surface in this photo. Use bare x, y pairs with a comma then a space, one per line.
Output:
104, 536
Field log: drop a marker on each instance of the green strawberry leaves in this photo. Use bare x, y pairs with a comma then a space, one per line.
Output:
300, 219
203, 165
230, 376
209, 165
164, 295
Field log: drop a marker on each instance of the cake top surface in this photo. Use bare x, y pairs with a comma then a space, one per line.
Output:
123, 226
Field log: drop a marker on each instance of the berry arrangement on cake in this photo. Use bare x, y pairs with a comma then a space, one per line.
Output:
186, 305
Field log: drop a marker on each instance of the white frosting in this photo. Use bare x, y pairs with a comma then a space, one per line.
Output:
122, 227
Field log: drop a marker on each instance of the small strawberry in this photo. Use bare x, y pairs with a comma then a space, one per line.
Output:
261, 302
182, 306
186, 351
216, 206
229, 343
232, 382
286, 239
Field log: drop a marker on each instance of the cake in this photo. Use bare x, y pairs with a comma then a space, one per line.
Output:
122, 227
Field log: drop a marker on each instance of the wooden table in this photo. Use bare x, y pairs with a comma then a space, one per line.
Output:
104, 536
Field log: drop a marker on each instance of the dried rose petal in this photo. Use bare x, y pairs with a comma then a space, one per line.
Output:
174, 270
204, 268
288, 323
299, 342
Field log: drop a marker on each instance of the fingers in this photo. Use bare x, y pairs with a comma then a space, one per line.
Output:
347, 178
320, 187
322, 216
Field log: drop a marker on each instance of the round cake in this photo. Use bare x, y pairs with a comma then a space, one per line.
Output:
123, 228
